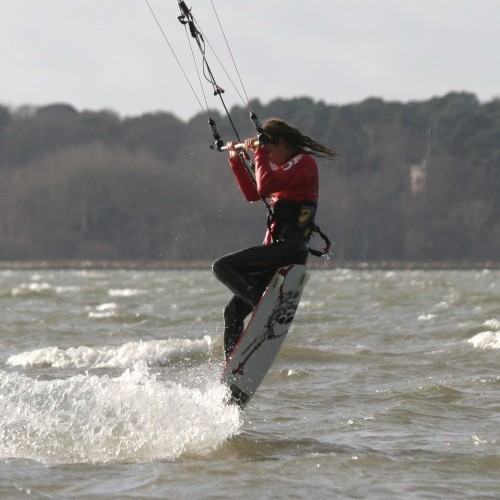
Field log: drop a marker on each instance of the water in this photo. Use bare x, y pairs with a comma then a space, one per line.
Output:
388, 386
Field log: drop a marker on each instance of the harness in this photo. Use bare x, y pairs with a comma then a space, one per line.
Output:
297, 217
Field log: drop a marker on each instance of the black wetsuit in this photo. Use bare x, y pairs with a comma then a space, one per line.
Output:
248, 272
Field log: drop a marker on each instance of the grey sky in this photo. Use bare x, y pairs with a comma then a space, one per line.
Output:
110, 54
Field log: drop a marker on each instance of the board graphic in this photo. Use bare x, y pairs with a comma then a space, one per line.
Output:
264, 333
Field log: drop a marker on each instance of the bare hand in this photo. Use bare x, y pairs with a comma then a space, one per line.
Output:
230, 148
251, 143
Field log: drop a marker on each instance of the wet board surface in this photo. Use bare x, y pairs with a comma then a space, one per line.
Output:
264, 334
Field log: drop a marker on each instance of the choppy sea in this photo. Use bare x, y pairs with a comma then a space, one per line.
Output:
387, 386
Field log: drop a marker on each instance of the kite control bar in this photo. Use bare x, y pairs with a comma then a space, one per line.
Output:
241, 146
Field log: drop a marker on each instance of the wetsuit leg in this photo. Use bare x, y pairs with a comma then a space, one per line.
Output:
237, 269
247, 273
234, 316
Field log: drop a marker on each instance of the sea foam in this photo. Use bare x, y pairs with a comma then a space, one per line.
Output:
100, 419
486, 340
122, 356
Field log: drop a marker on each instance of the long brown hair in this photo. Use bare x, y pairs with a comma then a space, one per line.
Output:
276, 129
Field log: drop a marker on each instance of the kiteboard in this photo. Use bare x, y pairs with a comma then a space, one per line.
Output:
264, 334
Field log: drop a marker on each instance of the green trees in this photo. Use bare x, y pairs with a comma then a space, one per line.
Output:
90, 185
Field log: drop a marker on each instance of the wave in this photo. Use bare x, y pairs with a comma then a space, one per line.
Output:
486, 340
40, 288
125, 292
489, 339
29, 289
151, 352
131, 418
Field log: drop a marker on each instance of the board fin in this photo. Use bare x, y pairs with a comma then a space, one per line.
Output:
238, 397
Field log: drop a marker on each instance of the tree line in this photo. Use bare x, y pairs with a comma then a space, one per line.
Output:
417, 181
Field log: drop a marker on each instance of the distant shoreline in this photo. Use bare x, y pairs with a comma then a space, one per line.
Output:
152, 265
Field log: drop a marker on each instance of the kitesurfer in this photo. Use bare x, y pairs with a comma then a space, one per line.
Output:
286, 173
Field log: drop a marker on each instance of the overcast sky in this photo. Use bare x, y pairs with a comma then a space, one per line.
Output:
110, 54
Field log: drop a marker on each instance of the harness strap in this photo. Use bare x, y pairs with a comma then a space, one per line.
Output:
328, 243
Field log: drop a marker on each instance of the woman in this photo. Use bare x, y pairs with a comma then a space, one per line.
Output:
287, 174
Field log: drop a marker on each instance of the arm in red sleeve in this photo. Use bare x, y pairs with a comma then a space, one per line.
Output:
243, 178
264, 174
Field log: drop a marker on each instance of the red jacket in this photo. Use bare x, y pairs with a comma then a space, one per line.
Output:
295, 180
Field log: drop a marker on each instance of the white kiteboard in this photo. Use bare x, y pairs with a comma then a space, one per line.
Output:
264, 334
